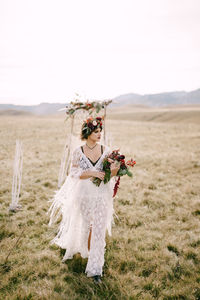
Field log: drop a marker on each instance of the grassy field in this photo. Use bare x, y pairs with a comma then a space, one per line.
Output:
154, 249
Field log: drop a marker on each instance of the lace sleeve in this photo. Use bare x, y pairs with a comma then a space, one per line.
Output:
76, 170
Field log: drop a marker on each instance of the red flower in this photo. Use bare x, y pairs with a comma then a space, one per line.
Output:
131, 162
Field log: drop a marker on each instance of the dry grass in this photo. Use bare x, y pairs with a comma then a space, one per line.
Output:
175, 114
154, 249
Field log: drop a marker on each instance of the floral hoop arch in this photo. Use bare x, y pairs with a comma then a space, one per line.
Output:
90, 107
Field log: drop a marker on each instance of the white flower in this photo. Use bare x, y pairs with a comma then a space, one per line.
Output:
94, 123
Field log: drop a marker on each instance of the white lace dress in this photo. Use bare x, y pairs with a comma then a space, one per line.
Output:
82, 204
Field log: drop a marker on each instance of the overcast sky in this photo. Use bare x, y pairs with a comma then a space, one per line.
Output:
50, 49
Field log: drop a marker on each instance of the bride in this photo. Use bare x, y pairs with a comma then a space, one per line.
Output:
86, 209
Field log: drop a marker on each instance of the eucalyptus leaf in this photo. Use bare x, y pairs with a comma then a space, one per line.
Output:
71, 111
121, 172
129, 173
98, 109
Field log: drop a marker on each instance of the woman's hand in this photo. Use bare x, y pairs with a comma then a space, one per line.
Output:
99, 175
114, 167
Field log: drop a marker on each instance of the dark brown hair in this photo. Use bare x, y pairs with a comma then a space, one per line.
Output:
88, 127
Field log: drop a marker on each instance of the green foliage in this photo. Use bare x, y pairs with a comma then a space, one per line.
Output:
196, 212
5, 234
69, 278
5, 267
195, 244
177, 272
29, 297
126, 266
197, 294
30, 222
147, 271
48, 184
152, 186
154, 291
98, 107
76, 265
173, 249
107, 175
121, 172
176, 297
129, 173
148, 287
62, 251
58, 288
193, 256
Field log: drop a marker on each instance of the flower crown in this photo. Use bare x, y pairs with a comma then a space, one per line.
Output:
90, 125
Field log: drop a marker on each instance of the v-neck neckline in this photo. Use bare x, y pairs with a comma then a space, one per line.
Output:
90, 161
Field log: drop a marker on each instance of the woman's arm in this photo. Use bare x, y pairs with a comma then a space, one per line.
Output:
88, 174
75, 170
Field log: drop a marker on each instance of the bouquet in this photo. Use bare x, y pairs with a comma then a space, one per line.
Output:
115, 156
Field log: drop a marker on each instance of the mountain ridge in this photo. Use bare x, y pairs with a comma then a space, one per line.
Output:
148, 100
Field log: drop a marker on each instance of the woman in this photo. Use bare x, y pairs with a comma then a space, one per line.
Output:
86, 209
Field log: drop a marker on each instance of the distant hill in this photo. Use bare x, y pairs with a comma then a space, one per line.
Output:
145, 101
14, 112
162, 99
40, 109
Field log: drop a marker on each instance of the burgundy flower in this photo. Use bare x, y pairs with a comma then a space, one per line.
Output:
121, 157
90, 125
